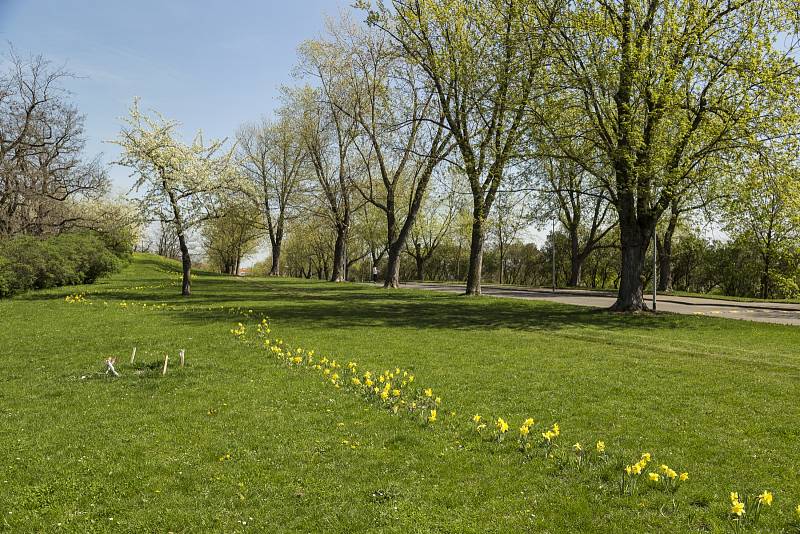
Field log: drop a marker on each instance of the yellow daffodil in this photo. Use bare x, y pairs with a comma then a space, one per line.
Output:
476, 419
737, 508
601, 447
628, 470
684, 477
655, 477
432, 417
429, 392
528, 422
395, 392
577, 447
438, 401
765, 498
524, 430
501, 425
797, 510
556, 429
734, 497
646, 456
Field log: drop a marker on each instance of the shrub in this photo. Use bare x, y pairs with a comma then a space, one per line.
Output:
28, 262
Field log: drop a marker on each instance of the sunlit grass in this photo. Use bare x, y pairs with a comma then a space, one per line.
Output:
237, 437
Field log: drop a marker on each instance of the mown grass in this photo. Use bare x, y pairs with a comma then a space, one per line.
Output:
82, 452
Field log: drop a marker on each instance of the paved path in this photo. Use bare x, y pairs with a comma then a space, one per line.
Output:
766, 312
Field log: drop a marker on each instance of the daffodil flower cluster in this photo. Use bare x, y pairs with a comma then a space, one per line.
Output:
746, 511
394, 389
668, 478
631, 474
549, 439
77, 298
525, 443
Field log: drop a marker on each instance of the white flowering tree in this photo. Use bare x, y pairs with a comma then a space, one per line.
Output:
180, 184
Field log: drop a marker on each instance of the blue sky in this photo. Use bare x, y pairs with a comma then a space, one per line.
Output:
210, 65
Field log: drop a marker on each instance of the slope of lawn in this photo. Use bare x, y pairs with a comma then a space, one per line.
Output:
238, 441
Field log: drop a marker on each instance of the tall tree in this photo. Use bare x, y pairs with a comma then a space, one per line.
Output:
274, 159
485, 60
661, 85
582, 208
760, 209
329, 132
42, 168
400, 138
181, 183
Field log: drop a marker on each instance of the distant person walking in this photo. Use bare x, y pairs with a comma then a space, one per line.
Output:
375, 274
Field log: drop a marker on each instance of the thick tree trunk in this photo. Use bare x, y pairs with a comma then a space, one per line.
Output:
275, 270
420, 268
630, 296
340, 255
475, 257
576, 269
186, 260
392, 271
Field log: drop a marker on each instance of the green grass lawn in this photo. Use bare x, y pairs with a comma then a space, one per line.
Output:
239, 441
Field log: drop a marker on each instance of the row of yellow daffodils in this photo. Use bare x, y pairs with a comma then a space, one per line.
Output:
393, 389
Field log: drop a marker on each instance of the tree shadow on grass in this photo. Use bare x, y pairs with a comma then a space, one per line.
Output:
319, 303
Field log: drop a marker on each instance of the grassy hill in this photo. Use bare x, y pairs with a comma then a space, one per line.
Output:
240, 441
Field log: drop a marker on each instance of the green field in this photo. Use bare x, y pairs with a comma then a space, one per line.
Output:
240, 441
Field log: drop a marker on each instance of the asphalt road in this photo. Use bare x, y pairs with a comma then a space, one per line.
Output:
765, 312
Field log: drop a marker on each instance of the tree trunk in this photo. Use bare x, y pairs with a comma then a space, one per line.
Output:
186, 260
665, 266
502, 263
420, 268
665, 252
475, 256
630, 296
393, 271
340, 255
275, 270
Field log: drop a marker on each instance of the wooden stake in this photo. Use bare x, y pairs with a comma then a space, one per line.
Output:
133, 355
182, 357
166, 361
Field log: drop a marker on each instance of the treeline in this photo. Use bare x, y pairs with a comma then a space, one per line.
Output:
57, 226
439, 137
469, 140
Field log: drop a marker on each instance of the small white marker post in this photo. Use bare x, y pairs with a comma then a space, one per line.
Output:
183, 353
110, 367
133, 355
166, 362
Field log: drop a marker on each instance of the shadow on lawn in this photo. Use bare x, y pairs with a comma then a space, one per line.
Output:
352, 305
320, 303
